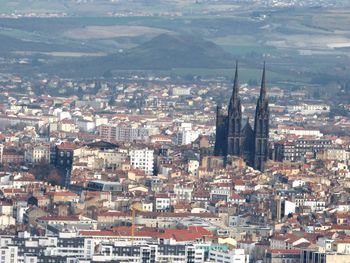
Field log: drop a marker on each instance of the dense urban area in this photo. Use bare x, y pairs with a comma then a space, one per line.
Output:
146, 166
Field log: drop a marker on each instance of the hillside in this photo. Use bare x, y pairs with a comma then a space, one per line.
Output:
11, 44
163, 52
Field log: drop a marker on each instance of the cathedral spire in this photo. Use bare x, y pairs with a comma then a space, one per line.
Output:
261, 127
234, 121
235, 84
263, 85
235, 90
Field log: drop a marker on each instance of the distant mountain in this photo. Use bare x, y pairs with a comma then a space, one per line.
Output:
11, 44
163, 52
303, 3
179, 51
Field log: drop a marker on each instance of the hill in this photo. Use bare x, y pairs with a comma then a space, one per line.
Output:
164, 52
11, 44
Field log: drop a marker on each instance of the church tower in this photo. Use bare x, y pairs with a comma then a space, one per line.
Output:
261, 128
248, 143
234, 122
233, 139
220, 148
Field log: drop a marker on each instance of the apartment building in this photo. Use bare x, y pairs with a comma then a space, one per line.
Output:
142, 159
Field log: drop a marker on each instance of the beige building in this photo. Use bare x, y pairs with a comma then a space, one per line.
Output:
37, 153
67, 125
64, 196
96, 158
335, 154
342, 247
6, 220
193, 166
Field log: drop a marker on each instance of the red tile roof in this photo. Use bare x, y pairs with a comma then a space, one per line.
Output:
63, 193
67, 146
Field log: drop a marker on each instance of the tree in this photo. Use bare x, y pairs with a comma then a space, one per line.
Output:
111, 101
80, 93
54, 177
41, 171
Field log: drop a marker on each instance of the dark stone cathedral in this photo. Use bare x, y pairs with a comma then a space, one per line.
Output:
233, 140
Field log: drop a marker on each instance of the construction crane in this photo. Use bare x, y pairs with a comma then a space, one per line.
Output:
135, 207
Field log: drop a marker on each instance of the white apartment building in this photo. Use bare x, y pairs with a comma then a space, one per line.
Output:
9, 254
183, 193
122, 132
234, 256
187, 137
142, 159
85, 125
1, 152
298, 131
181, 91
162, 203
309, 109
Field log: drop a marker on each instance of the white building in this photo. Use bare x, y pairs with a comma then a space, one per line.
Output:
315, 205
85, 125
187, 137
1, 152
181, 91
234, 256
142, 159
298, 131
147, 206
309, 109
162, 203
62, 114
125, 133
183, 192
9, 254
289, 207
298, 183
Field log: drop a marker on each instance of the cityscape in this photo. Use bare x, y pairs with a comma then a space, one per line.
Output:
131, 131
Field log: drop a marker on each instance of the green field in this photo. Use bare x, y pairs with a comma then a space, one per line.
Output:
298, 45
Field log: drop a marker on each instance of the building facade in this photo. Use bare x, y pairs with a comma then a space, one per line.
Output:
233, 140
142, 159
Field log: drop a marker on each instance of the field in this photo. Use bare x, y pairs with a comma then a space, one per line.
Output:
300, 46
108, 32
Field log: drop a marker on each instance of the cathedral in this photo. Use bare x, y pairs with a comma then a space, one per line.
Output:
234, 139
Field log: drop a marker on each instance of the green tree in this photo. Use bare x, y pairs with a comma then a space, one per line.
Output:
112, 101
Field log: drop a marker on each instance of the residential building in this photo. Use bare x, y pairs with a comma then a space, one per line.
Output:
142, 159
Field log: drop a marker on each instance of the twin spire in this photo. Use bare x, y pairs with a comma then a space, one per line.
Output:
263, 86
234, 98
236, 87
235, 84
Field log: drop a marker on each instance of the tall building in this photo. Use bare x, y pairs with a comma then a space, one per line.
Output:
233, 140
142, 159
125, 133
261, 128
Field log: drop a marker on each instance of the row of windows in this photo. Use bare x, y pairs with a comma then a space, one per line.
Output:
63, 153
